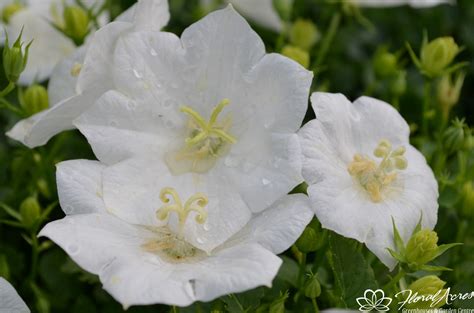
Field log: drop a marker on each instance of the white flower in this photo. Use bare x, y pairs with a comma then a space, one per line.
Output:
391, 3
79, 80
261, 12
212, 104
10, 301
49, 46
362, 171
168, 242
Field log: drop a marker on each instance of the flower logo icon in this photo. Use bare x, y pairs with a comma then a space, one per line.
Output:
374, 301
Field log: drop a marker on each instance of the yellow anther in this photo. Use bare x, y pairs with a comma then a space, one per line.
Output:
76, 69
375, 178
208, 129
196, 203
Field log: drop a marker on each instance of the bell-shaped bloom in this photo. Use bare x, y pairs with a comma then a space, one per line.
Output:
211, 104
50, 46
261, 12
171, 241
10, 301
362, 172
393, 3
79, 80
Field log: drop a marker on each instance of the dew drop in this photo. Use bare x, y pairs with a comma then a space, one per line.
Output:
200, 240
206, 227
153, 52
137, 74
72, 249
68, 209
265, 182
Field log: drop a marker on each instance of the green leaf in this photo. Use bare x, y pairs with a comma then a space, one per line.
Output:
413, 55
443, 248
434, 268
289, 271
16, 215
352, 273
399, 244
243, 302
396, 255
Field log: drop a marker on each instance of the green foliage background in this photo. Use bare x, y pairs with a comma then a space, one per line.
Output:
345, 268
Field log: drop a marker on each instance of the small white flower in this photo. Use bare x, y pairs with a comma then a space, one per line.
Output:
80, 79
168, 242
211, 103
10, 301
392, 3
261, 12
362, 171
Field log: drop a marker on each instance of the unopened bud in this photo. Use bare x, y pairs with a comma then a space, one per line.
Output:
422, 247
34, 99
385, 63
278, 305
454, 138
398, 83
438, 54
30, 211
296, 54
427, 286
76, 22
15, 58
304, 34
448, 92
313, 288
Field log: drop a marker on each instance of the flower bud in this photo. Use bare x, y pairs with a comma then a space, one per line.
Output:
448, 92
304, 34
15, 58
385, 63
468, 199
308, 241
278, 305
30, 211
398, 84
43, 188
34, 99
436, 55
313, 288
76, 23
426, 286
296, 54
10, 10
454, 138
422, 247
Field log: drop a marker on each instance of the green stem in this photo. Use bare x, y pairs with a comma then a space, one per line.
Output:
7, 105
426, 106
315, 305
327, 40
174, 309
7, 89
393, 282
34, 256
302, 270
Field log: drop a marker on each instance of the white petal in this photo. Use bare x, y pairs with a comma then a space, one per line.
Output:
236, 269
48, 48
261, 12
62, 83
279, 226
132, 189
93, 241
10, 300
413, 3
80, 186
118, 127
151, 15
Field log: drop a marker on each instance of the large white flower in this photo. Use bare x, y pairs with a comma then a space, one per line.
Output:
391, 3
261, 12
49, 46
80, 79
212, 104
168, 242
362, 172
10, 301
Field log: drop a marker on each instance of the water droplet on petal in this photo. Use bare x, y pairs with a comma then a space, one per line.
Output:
68, 209
137, 73
153, 52
206, 227
200, 240
72, 249
265, 182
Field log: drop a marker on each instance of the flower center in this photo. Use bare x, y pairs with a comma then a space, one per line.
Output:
174, 246
376, 178
206, 141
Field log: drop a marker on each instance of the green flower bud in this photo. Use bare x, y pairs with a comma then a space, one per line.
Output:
438, 54
296, 54
278, 305
426, 286
422, 247
4, 268
448, 92
30, 211
454, 138
468, 199
385, 63
43, 188
10, 10
15, 58
34, 99
76, 23
304, 34
313, 288
398, 84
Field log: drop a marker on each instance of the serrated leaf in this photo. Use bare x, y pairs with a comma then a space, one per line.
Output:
434, 268
443, 248
243, 302
352, 273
